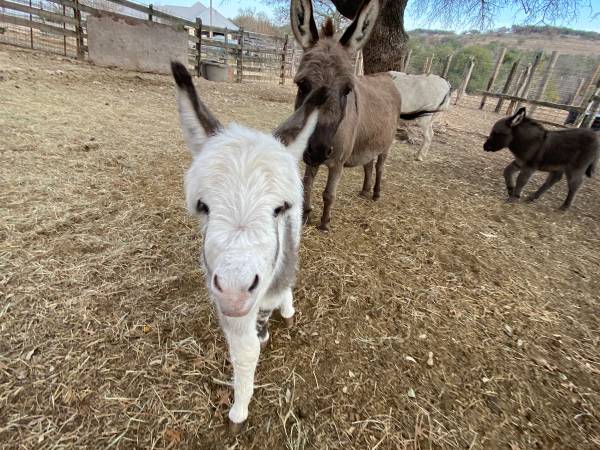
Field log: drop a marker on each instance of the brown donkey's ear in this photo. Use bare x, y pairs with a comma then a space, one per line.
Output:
518, 117
197, 122
303, 23
295, 132
357, 34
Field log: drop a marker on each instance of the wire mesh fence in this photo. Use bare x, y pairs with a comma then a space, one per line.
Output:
561, 80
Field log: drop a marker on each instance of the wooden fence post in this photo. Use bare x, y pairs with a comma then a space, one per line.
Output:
30, 28
407, 60
536, 64
589, 84
595, 108
240, 58
64, 10
577, 92
466, 77
545, 80
520, 87
508, 83
198, 33
150, 12
78, 30
283, 57
430, 64
425, 64
226, 57
447, 66
587, 100
494, 76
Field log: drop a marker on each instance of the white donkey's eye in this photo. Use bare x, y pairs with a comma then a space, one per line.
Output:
281, 209
202, 207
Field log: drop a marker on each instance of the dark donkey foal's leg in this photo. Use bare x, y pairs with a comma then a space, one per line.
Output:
522, 180
553, 178
574, 179
509, 176
366, 189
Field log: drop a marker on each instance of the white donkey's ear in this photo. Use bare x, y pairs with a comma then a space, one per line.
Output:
196, 120
357, 34
295, 132
303, 23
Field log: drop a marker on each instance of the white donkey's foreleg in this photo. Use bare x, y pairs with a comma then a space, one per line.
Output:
244, 348
286, 307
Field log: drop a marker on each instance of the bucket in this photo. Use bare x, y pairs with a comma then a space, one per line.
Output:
215, 71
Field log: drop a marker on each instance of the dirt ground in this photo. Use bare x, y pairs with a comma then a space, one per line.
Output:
438, 317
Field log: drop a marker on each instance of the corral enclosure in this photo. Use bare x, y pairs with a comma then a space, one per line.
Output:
438, 317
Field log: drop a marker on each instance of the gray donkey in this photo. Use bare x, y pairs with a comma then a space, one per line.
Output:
358, 121
571, 152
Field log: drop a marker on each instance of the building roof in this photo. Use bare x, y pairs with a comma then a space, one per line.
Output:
199, 10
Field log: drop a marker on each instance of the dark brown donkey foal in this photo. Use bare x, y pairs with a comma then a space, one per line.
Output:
358, 121
570, 152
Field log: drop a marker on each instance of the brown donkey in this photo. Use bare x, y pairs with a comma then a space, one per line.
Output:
358, 121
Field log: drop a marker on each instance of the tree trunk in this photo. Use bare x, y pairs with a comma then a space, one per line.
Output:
388, 44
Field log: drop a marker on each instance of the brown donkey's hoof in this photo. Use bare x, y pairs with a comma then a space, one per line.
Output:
363, 194
376, 197
288, 322
235, 428
324, 227
306, 217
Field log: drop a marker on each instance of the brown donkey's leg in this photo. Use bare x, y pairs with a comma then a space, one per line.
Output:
335, 173
379, 175
574, 180
366, 189
309, 176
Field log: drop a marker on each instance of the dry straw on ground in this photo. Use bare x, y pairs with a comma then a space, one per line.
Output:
438, 317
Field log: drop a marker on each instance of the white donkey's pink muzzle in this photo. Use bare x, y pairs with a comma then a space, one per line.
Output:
233, 301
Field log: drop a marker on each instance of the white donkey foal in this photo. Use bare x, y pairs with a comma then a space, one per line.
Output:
246, 188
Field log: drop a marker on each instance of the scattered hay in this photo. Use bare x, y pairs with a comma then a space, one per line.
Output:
437, 317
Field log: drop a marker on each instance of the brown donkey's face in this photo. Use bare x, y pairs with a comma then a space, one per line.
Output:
502, 132
327, 64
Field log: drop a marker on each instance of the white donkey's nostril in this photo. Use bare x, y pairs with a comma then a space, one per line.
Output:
254, 283
216, 283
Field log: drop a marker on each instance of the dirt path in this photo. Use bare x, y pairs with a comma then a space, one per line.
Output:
107, 337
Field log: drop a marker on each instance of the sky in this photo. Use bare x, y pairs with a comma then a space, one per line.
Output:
508, 17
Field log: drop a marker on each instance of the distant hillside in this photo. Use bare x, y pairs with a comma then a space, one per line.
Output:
526, 38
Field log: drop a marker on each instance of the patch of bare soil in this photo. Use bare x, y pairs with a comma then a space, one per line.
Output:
438, 317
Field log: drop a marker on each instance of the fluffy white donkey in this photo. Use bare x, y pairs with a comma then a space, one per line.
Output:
246, 188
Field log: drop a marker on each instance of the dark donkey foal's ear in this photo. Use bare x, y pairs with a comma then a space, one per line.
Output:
518, 117
197, 122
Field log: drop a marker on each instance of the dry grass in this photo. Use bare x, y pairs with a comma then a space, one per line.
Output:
108, 340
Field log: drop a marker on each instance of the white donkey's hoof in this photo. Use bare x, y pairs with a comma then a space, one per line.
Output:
235, 428
288, 321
